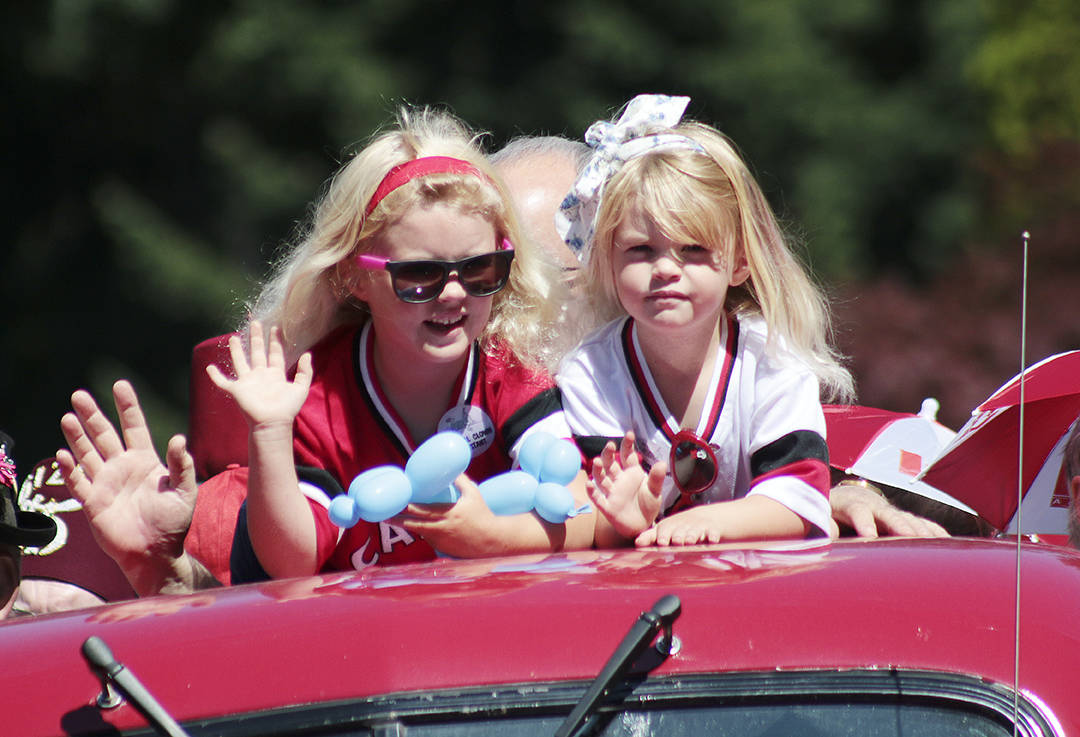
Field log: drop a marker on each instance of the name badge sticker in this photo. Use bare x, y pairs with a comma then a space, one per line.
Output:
474, 425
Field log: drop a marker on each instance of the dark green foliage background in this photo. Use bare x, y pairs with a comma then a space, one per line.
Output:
157, 154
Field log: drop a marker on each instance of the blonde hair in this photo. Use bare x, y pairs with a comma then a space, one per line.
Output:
713, 200
309, 292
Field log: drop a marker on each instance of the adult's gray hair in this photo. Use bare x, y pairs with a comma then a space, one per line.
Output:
525, 147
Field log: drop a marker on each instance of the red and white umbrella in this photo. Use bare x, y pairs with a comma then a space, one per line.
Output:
890, 448
982, 464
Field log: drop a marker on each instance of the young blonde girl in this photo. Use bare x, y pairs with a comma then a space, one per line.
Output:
397, 309
703, 390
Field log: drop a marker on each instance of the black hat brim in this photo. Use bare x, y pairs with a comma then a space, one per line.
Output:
32, 529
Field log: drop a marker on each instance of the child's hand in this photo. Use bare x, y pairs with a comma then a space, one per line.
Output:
469, 529
462, 529
693, 526
627, 497
752, 517
261, 388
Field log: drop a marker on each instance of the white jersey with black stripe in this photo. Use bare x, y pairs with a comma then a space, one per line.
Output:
762, 415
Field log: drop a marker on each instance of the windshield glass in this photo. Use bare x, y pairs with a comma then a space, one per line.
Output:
768, 720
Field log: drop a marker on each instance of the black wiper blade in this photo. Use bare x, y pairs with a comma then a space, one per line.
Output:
102, 662
661, 616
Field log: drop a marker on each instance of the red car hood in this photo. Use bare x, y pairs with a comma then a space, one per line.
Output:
941, 605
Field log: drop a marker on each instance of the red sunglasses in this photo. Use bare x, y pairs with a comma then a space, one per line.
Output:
692, 462
421, 281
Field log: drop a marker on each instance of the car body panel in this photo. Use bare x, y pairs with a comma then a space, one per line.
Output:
943, 605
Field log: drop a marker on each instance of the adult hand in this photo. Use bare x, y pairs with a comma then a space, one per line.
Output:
139, 509
45, 596
869, 514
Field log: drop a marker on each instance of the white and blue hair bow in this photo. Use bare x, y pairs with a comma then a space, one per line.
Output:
614, 144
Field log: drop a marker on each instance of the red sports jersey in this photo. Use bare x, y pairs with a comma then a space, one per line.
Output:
347, 426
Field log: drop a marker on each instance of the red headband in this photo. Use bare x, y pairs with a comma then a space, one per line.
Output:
404, 173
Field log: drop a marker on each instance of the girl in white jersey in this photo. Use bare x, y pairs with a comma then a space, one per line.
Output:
701, 398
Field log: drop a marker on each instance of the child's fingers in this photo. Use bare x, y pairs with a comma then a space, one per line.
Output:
221, 381
655, 480
607, 455
416, 526
303, 371
646, 538
600, 501
600, 474
682, 534
666, 534
627, 455
467, 486
674, 531
258, 346
424, 513
275, 351
239, 358
595, 492
590, 488
685, 536
612, 463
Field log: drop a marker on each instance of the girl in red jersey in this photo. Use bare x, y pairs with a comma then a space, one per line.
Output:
411, 305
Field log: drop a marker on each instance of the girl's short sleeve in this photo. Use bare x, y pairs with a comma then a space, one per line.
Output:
788, 454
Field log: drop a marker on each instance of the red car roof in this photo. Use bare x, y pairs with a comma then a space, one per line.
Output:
940, 605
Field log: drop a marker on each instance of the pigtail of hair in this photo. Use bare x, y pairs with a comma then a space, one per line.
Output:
781, 289
305, 296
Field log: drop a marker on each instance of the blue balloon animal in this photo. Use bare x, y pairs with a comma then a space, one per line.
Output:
547, 463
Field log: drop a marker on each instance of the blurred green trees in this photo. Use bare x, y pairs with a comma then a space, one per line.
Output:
160, 152
1028, 63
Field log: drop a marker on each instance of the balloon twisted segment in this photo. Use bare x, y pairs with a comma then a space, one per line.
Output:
547, 464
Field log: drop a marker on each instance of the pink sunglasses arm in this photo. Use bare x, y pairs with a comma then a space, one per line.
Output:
367, 261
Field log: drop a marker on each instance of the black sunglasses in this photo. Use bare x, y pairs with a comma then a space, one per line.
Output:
692, 462
422, 281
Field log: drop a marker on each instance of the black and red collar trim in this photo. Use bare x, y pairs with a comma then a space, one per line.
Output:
364, 356
650, 393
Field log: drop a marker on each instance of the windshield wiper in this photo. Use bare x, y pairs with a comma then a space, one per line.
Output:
102, 662
663, 613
